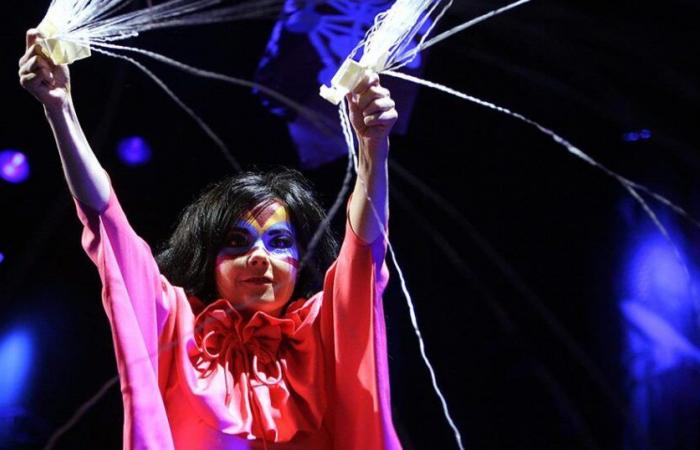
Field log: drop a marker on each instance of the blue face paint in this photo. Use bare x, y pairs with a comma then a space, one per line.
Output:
267, 228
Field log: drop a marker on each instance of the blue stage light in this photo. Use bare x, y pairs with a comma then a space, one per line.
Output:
16, 354
2, 257
14, 166
661, 348
632, 136
659, 309
134, 151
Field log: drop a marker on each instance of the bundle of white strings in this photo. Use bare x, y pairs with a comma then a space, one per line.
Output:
90, 22
388, 41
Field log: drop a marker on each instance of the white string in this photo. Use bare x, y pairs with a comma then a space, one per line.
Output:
202, 124
393, 31
345, 121
631, 186
326, 222
315, 118
347, 132
452, 31
95, 20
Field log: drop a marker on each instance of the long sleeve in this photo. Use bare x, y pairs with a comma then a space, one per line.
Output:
353, 330
137, 301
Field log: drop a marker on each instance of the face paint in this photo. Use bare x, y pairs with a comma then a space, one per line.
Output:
256, 270
267, 227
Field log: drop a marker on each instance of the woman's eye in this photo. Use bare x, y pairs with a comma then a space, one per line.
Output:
282, 242
238, 240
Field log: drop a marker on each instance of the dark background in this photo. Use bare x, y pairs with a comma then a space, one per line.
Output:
590, 70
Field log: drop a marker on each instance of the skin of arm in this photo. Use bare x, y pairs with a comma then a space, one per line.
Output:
50, 84
372, 114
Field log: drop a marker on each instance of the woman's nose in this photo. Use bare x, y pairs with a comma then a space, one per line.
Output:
259, 257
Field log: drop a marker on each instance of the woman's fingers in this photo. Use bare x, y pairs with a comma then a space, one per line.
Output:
31, 51
370, 79
35, 51
37, 65
379, 104
382, 118
32, 35
34, 71
370, 95
30, 81
373, 111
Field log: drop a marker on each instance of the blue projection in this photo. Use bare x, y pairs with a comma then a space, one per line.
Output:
16, 353
134, 151
14, 166
662, 358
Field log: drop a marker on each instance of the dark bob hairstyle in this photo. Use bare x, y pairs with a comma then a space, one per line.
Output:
188, 258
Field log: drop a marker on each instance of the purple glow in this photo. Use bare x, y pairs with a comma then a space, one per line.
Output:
16, 352
134, 151
14, 166
2, 257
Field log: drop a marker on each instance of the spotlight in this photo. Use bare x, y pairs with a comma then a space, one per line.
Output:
16, 355
14, 166
134, 151
634, 136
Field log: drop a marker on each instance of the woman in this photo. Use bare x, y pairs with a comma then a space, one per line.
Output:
219, 348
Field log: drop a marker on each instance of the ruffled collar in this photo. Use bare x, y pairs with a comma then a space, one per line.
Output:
222, 336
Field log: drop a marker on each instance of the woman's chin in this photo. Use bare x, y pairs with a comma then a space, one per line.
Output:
264, 303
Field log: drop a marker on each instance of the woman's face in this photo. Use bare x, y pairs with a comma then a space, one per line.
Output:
257, 268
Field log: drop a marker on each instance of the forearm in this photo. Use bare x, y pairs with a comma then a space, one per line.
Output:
86, 178
369, 206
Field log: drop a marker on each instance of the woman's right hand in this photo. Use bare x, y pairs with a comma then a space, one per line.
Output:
48, 82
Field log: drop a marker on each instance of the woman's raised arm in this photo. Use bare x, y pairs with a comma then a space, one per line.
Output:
50, 84
372, 114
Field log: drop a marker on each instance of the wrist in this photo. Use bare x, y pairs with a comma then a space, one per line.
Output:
376, 150
59, 110
373, 161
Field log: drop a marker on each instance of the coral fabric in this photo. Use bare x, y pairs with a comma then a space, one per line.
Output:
201, 377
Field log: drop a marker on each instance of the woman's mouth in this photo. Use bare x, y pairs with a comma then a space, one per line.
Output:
258, 280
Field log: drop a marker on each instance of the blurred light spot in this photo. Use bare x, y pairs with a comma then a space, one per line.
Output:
2, 257
657, 273
634, 136
630, 137
134, 151
16, 353
14, 166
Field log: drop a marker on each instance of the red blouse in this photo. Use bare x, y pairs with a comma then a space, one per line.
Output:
201, 377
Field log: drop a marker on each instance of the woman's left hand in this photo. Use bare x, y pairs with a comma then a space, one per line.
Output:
372, 114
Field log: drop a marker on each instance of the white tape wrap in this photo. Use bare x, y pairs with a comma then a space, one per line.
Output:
343, 82
60, 52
